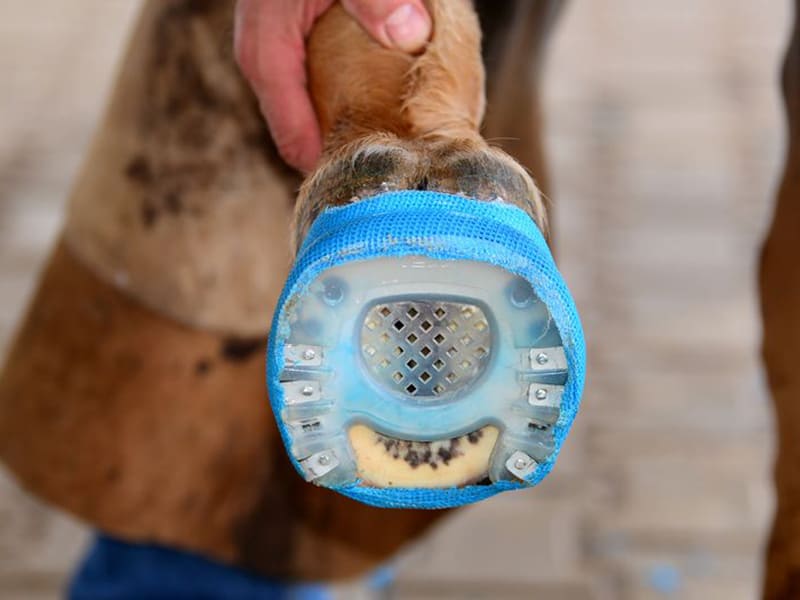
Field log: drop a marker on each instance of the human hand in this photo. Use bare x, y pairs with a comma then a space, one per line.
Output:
269, 41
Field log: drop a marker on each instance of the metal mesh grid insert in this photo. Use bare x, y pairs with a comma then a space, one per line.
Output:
425, 348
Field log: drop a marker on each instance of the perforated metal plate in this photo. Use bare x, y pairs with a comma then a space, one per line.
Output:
425, 348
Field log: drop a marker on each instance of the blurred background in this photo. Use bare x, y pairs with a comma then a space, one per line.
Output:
665, 137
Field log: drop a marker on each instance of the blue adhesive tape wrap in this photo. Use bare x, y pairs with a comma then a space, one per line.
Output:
443, 227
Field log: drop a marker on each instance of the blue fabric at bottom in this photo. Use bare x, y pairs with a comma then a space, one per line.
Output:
117, 570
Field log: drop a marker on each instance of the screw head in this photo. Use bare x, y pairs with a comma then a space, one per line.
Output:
542, 358
520, 463
521, 293
307, 390
541, 394
309, 354
333, 293
324, 460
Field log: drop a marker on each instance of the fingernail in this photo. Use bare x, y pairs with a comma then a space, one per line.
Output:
408, 28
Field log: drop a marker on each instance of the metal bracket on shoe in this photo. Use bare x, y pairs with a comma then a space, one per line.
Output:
319, 464
520, 464
301, 391
545, 394
547, 360
302, 355
303, 401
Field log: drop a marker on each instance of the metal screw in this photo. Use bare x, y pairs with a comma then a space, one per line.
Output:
307, 390
309, 354
520, 463
542, 358
541, 394
324, 460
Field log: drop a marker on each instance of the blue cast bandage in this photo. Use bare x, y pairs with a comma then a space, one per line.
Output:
426, 319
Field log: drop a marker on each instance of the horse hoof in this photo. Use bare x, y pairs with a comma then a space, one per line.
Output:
425, 351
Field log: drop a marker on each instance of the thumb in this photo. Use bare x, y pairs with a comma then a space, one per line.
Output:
401, 24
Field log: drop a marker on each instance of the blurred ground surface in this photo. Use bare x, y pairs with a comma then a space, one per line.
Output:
665, 138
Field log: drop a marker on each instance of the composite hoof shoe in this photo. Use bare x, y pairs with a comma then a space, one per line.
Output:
425, 352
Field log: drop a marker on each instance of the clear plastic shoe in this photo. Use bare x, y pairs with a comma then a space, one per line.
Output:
425, 352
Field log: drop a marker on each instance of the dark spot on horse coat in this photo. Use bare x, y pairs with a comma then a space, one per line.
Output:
138, 170
202, 366
173, 202
112, 474
149, 215
241, 349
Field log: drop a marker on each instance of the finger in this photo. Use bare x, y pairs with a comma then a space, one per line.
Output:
271, 54
401, 24
286, 106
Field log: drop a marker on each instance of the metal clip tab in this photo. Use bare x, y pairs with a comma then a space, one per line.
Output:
301, 392
547, 360
301, 355
319, 464
520, 464
545, 394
